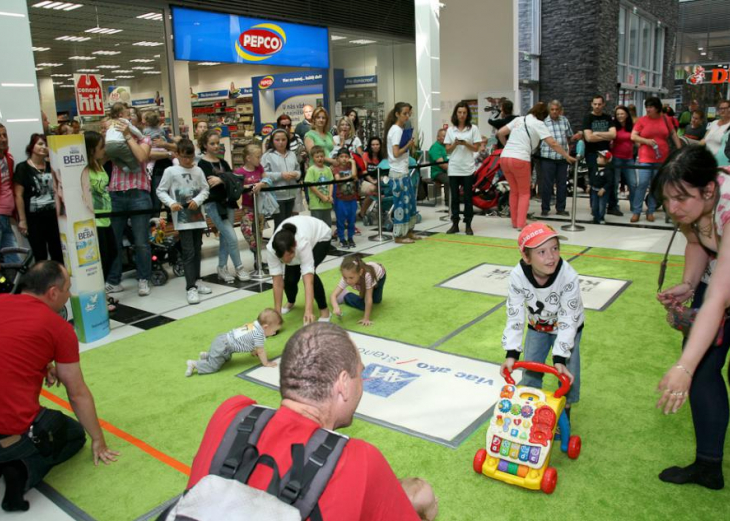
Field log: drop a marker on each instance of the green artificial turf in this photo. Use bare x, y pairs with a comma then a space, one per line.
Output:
139, 386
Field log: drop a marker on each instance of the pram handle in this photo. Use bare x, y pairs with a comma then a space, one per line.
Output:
540, 368
17, 265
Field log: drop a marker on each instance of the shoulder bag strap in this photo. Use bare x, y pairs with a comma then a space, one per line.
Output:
243, 452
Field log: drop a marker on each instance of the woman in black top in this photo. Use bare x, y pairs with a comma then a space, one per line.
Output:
219, 209
35, 199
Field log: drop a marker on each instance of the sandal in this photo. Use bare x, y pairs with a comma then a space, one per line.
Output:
111, 304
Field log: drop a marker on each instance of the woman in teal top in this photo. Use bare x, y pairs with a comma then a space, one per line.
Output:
319, 135
723, 155
98, 181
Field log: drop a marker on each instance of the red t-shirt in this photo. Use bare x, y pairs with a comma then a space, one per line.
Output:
623, 147
658, 130
363, 486
32, 335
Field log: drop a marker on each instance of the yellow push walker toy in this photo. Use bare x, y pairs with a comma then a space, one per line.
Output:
522, 431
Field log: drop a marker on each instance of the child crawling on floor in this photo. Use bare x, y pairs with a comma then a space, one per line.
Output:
248, 338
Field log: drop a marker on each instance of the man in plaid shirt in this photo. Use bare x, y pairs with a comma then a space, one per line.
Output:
552, 165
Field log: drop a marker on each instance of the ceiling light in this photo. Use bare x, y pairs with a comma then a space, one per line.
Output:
703, 54
103, 30
58, 83
50, 64
74, 38
700, 48
120, 71
141, 60
58, 6
151, 72
143, 68
148, 44
16, 15
82, 58
108, 79
41, 49
66, 86
335, 37
151, 16
108, 66
157, 56
107, 53
209, 63
124, 77
87, 70
362, 42
61, 75
17, 85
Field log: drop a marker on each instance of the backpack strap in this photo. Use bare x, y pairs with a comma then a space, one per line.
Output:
312, 467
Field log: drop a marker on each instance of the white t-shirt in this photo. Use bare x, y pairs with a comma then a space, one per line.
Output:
310, 231
113, 135
461, 160
398, 165
351, 144
713, 138
520, 145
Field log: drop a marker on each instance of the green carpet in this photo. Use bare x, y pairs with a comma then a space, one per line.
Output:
139, 387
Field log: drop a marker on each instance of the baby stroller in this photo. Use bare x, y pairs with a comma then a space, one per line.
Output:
385, 207
165, 249
490, 191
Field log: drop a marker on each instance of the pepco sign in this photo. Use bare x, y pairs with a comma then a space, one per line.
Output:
260, 42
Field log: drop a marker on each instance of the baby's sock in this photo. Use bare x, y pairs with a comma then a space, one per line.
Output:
15, 477
702, 472
192, 366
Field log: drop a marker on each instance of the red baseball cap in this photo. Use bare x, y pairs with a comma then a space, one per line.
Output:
534, 234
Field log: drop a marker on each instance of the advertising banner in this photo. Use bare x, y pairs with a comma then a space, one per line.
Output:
119, 93
489, 107
79, 238
218, 37
89, 94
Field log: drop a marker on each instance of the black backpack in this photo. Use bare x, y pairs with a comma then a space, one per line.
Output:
224, 492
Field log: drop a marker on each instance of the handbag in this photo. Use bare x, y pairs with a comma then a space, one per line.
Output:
49, 432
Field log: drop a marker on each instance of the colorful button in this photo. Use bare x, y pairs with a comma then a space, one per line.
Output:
496, 443
507, 421
526, 411
503, 465
505, 405
523, 470
508, 391
512, 468
504, 451
516, 408
524, 452
534, 454
515, 432
514, 451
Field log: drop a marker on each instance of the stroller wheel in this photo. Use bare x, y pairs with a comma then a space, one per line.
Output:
159, 278
178, 269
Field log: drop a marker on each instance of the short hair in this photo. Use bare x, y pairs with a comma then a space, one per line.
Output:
34, 139
317, 112
1, 125
270, 316
199, 122
653, 102
185, 147
42, 276
508, 107
540, 111
599, 96
316, 149
281, 118
723, 102
343, 152
152, 117
555, 103
117, 110
313, 359
699, 113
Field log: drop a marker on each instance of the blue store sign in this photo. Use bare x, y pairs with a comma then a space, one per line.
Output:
206, 36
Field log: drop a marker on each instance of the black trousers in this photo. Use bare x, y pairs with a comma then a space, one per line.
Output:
466, 182
286, 208
191, 242
552, 172
107, 248
43, 236
292, 275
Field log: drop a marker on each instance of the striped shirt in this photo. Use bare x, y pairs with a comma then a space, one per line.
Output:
369, 282
121, 181
561, 130
246, 338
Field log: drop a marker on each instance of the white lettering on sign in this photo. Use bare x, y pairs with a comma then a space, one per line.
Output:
269, 43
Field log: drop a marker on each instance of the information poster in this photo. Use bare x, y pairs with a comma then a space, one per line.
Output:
79, 237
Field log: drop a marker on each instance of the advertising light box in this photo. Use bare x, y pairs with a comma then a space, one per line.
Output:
206, 36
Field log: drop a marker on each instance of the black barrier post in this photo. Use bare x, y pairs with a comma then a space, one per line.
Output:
258, 272
380, 237
572, 227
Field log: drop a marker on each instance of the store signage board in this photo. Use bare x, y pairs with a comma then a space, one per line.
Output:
89, 94
716, 76
206, 36
357, 81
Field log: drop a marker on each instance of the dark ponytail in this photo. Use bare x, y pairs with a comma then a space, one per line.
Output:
392, 117
695, 165
285, 239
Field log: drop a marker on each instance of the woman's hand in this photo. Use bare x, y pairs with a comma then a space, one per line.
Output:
176, 207
214, 181
674, 388
123, 128
651, 142
364, 322
676, 295
192, 205
23, 227
309, 317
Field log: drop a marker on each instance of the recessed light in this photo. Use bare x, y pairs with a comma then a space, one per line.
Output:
157, 17
209, 63
108, 66
141, 60
41, 49
143, 68
151, 72
703, 54
120, 71
157, 56
17, 85
107, 53
148, 44
103, 30
67, 86
82, 58
87, 70
335, 37
700, 48
362, 42
61, 75
50, 64
124, 77
74, 38
58, 83
108, 79
58, 6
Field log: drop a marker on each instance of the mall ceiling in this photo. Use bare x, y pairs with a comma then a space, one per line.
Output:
705, 24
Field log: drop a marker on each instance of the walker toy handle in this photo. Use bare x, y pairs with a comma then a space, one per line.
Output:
541, 368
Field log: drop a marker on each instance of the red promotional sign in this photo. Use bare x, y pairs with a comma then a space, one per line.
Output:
89, 95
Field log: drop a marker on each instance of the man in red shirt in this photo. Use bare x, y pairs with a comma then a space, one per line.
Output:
32, 337
321, 386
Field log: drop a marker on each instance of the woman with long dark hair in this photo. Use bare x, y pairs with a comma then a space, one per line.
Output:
622, 150
35, 193
404, 196
372, 157
462, 140
696, 195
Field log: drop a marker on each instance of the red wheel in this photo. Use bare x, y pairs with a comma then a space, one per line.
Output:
574, 445
479, 458
549, 480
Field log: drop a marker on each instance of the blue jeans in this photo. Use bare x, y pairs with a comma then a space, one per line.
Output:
229, 241
123, 202
537, 347
645, 177
7, 239
622, 169
354, 300
598, 204
346, 211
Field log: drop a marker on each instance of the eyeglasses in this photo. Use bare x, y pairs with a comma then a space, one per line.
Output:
286, 126
723, 108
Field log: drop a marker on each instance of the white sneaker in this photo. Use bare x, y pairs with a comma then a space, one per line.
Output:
204, 355
143, 288
225, 276
324, 319
191, 368
193, 297
285, 310
242, 274
113, 288
202, 288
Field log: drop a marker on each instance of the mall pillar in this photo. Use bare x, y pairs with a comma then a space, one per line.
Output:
182, 95
428, 70
48, 99
20, 108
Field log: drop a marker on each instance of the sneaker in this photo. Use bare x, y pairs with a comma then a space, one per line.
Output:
285, 309
113, 288
242, 274
351, 244
544, 213
323, 319
615, 211
203, 355
193, 297
344, 245
143, 288
202, 288
563, 213
224, 275
191, 368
